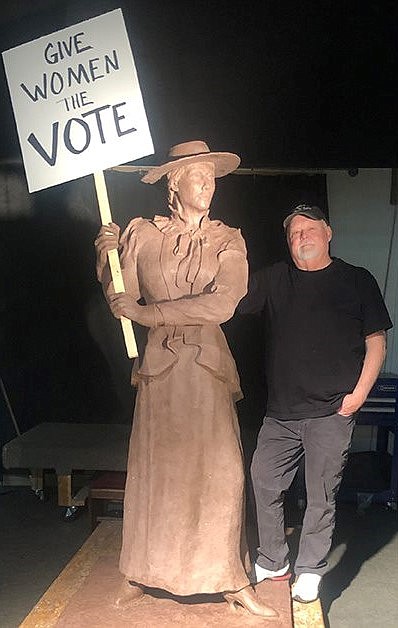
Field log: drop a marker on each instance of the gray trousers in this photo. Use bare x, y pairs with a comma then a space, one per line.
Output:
281, 444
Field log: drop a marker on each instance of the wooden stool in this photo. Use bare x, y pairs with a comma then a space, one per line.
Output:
108, 486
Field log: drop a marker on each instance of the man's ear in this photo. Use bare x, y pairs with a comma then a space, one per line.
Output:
330, 233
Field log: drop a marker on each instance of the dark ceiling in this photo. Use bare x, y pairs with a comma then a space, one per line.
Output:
285, 84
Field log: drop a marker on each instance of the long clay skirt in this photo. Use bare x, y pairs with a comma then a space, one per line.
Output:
184, 499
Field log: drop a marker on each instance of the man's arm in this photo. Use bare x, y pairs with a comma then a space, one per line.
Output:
254, 301
375, 352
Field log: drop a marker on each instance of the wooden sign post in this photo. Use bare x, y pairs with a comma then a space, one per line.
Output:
114, 263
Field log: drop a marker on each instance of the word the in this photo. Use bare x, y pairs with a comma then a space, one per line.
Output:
76, 101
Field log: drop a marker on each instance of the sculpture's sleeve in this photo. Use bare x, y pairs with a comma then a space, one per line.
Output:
129, 243
128, 246
217, 303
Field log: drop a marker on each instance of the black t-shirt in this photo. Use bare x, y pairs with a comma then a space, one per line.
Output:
317, 322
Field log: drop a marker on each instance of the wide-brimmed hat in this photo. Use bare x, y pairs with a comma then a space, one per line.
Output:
309, 211
190, 153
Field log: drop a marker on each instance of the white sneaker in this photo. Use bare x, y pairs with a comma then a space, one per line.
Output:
260, 573
306, 587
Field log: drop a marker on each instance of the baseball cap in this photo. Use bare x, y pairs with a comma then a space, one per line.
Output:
310, 211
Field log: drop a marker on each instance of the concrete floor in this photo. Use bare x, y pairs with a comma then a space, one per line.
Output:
358, 591
360, 588
35, 545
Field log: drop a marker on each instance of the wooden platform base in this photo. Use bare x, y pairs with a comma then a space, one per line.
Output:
83, 594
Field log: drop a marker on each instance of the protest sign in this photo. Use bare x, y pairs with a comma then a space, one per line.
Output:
77, 101
79, 110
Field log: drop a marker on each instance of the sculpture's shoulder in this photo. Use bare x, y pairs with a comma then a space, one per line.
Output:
136, 234
138, 225
140, 229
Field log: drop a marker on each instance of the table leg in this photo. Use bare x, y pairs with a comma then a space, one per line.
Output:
64, 490
36, 482
65, 497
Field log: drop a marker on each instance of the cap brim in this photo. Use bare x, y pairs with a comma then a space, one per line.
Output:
289, 218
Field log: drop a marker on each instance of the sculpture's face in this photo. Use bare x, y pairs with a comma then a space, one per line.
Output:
308, 239
195, 187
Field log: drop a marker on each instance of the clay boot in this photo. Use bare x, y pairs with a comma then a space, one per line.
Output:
247, 598
128, 594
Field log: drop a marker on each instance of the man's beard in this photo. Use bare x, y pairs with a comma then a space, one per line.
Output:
306, 253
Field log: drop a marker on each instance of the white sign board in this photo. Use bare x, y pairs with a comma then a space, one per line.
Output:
77, 101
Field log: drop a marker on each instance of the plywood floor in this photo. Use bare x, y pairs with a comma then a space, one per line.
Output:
83, 596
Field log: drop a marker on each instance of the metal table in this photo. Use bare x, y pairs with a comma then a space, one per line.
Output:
68, 447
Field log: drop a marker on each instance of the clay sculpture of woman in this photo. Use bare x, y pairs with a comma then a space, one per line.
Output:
184, 497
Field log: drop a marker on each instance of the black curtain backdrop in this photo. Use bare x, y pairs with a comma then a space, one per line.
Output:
284, 84
63, 355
